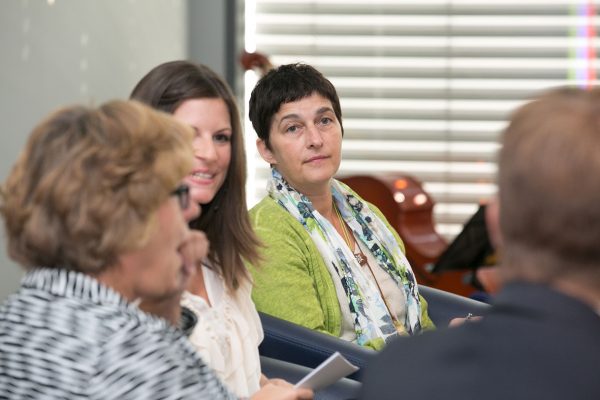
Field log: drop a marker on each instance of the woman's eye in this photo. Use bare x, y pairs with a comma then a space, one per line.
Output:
222, 138
326, 121
292, 129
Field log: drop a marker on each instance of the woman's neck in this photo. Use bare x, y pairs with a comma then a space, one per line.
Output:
197, 285
322, 203
167, 307
319, 195
115, 278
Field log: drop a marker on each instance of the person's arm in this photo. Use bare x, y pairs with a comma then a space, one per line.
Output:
292, 282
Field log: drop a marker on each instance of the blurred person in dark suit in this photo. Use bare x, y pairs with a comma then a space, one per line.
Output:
541, 338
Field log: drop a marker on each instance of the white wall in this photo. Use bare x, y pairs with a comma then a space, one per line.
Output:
60, 52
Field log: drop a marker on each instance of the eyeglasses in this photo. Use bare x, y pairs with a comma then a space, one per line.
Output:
183, 196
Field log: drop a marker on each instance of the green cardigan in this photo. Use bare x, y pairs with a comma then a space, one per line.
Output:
293, 282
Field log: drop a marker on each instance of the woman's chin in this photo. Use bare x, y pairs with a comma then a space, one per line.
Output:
202, 195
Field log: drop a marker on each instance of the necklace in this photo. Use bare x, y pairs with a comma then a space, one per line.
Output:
360, 257
362, 261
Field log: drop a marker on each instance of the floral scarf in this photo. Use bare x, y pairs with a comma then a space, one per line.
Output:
372, 321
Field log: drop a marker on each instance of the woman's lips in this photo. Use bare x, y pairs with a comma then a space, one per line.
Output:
316, 158
202, 175
200, 178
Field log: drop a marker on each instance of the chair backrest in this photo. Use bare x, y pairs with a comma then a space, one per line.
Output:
409, 209
284, 340
443, 306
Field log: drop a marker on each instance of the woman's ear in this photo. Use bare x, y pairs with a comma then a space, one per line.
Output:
264, 152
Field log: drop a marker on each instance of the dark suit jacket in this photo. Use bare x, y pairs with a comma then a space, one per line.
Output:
534, 343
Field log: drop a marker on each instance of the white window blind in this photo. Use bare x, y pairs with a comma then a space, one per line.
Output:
426, 86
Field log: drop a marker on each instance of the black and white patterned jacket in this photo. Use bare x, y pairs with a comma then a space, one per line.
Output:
63, 335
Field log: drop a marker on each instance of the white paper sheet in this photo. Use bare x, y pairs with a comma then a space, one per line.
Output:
330, 371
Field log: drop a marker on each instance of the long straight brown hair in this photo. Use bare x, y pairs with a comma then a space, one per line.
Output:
225, 219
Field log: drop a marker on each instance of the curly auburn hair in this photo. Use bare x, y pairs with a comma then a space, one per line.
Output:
87, 185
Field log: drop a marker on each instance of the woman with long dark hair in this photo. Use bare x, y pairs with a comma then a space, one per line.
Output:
228, 332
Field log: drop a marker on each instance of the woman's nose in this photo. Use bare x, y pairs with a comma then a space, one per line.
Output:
205, 149
314, 136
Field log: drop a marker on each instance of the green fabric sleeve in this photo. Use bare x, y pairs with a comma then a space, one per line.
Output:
426, 322
292, 282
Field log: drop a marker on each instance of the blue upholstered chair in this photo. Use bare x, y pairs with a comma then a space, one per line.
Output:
286, 341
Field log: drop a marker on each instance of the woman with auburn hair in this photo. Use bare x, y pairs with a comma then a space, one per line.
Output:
91, 212
93, 209
228, 332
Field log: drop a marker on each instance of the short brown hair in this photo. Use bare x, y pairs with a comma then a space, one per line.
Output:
549, 187
286, 84
88, 182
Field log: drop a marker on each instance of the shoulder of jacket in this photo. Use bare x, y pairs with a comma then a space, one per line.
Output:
263, 214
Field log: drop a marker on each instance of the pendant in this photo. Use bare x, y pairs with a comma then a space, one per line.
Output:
399, 328
362, 260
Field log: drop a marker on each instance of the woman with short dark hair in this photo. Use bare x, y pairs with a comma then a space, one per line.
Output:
332, 261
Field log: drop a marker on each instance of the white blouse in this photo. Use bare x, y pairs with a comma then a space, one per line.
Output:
228, 333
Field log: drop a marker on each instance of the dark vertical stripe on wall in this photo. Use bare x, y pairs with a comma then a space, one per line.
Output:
231, 49
208, 29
